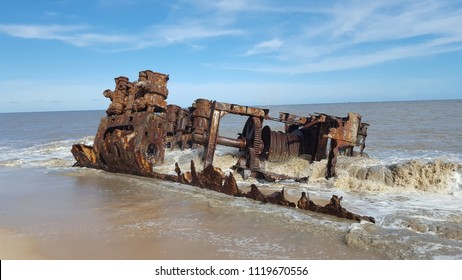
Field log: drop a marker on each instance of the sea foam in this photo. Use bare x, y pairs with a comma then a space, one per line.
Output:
369, 175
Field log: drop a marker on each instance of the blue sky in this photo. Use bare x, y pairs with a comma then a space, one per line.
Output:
59, 55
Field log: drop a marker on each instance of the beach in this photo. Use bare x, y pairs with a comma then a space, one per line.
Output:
58, 215
52, 210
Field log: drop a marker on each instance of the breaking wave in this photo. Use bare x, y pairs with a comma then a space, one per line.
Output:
52, 154
361, 174
358, 174
402, 237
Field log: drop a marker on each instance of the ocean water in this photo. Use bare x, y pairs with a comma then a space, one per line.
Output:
411, 183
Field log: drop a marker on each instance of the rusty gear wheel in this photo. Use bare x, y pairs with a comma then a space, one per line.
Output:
252, 134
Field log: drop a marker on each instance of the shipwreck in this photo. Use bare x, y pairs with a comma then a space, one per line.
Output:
140, 127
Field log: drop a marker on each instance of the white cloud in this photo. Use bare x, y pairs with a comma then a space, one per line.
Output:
158, 35
72, 34
353, 34
179, 33
351, 61
230, 6
94, 39
295, 36
264, 47
57, 32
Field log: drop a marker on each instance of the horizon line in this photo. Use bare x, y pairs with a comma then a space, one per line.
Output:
257, 106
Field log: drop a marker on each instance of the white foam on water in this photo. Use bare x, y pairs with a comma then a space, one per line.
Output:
87, 140
436, 176
52, 154
183, 158
369, 175
294, 167
11, 163
401, 243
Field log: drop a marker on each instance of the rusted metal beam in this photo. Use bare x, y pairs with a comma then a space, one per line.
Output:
241, 110
218, 181
332, 208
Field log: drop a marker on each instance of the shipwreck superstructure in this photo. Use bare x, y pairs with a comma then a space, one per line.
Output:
140, 127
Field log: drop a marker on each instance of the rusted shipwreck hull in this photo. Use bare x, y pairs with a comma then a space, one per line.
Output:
140, 127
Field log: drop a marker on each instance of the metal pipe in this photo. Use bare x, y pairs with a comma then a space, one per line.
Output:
221, 140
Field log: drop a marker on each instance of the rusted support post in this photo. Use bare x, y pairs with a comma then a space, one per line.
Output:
362, 137
172, 118
212, 136
332, 160
201, 114
322, 140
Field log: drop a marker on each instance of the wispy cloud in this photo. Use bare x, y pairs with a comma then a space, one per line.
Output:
230, 6
157, 35
57, 32
290, 37
324, 36
354, 34
76, 35
265, 47
189, 31
353, 61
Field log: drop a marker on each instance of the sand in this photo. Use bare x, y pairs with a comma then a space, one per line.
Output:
86, 214
13, 246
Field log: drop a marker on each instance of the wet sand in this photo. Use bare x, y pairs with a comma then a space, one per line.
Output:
15, 247
88, 214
